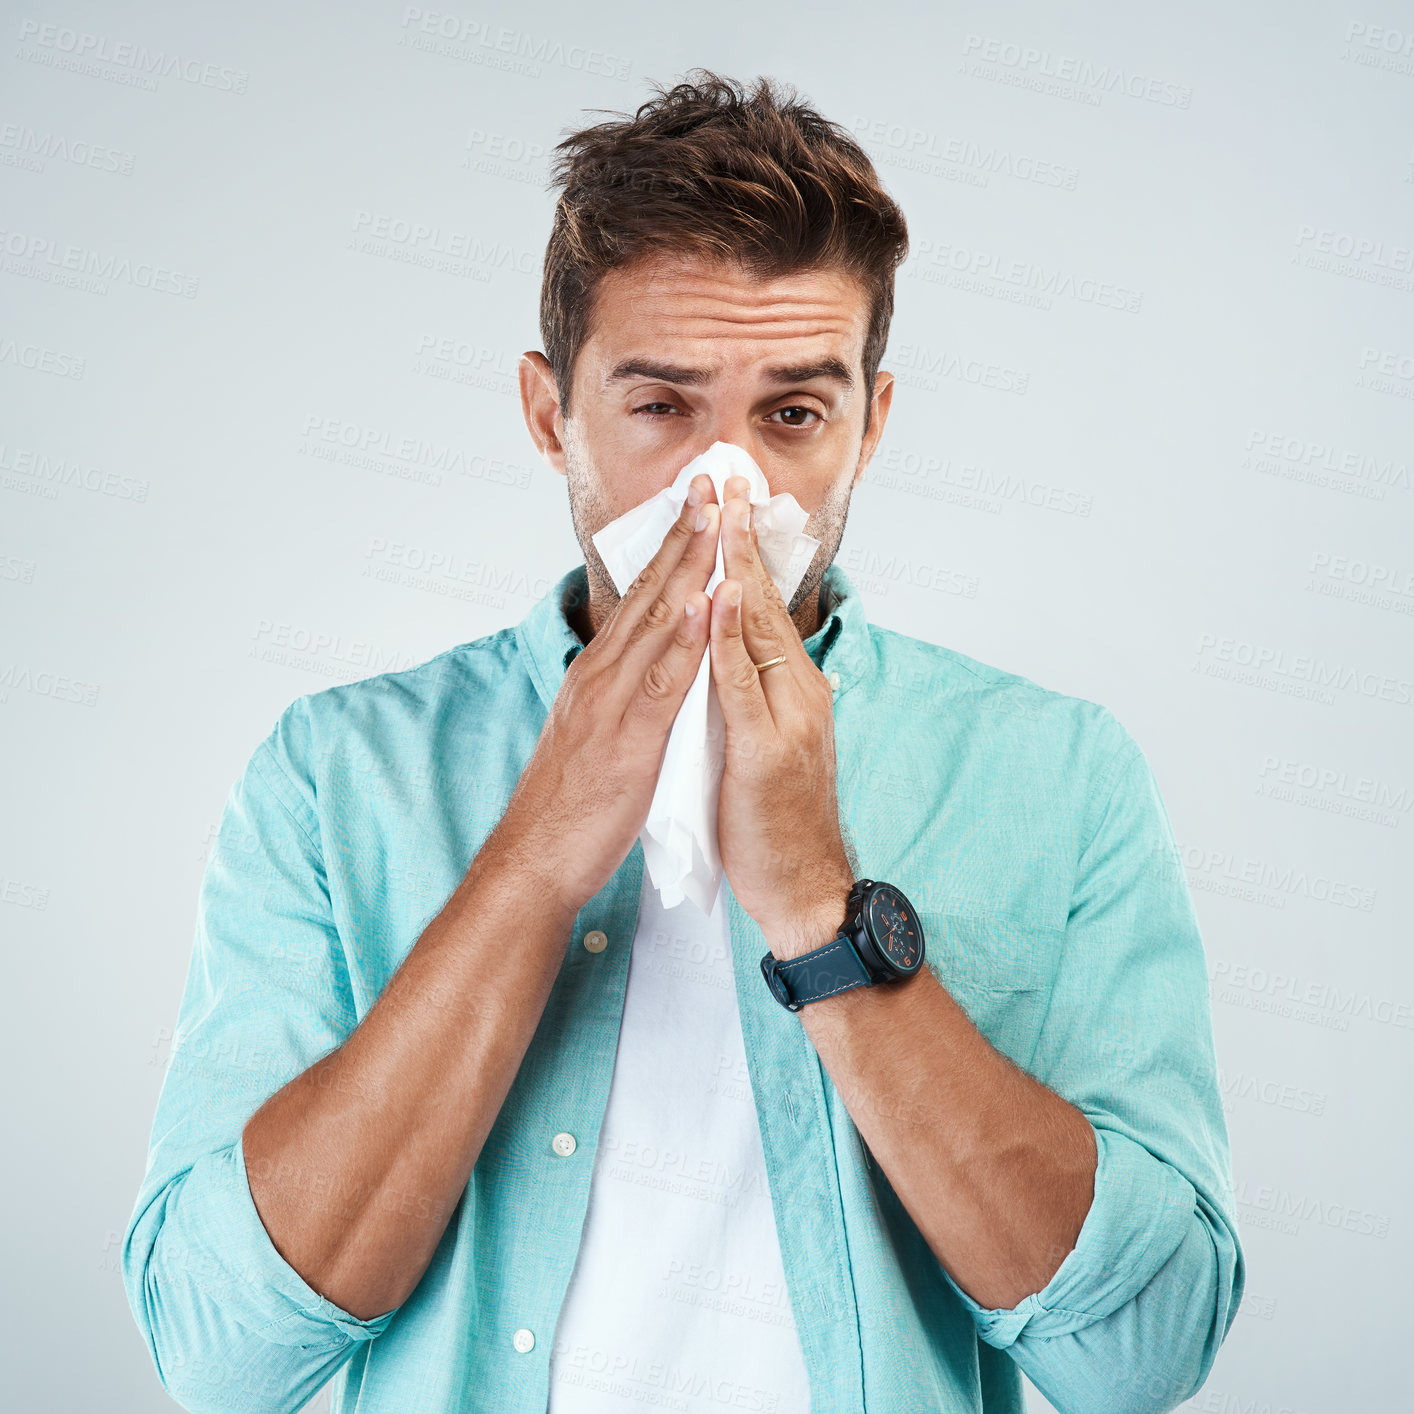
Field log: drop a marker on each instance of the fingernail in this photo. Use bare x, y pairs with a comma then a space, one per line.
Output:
695, 493
702, 519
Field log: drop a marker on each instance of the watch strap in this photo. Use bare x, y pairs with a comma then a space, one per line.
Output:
834, 967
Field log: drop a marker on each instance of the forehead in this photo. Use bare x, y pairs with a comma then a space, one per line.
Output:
727, 316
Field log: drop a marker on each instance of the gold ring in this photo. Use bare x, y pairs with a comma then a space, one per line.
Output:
761, 667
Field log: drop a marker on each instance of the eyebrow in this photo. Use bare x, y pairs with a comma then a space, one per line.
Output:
830, 367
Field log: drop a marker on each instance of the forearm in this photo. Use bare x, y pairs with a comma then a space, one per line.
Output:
995, 1169
356, 1165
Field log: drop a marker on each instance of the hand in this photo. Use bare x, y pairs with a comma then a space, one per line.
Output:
584, 796
778, 827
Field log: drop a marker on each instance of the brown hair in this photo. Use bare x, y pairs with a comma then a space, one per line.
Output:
705, 168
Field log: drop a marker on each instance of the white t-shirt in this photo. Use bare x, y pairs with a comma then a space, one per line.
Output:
678, 1298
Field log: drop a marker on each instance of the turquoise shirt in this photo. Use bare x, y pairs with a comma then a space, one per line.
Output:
1028, 831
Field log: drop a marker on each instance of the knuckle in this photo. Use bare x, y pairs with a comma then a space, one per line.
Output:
643, 580
760, 619
657, 681
583, 684
743, 676
659, 613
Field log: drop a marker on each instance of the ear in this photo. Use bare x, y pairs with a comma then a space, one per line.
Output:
540, 403
879, 414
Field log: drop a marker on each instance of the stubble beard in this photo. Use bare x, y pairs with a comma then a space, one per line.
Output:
590, 513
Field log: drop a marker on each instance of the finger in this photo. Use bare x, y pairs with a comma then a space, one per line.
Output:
768, 631
737, 490
677, 561
739, 689
658, 621
660, 692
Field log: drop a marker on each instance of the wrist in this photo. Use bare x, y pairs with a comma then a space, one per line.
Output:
817, 917
526, 867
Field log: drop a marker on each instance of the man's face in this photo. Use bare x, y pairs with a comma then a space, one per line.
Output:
683, 353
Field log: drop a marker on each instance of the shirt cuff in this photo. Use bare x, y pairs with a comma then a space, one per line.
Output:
236, 1262
1141, 1210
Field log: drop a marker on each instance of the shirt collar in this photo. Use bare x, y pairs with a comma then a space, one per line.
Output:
842, 647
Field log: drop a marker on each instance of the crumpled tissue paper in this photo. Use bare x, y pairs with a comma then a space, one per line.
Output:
680, 835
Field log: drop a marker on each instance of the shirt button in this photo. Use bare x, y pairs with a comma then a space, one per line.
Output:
563, 1144
834, 682
523, 1340
596, 941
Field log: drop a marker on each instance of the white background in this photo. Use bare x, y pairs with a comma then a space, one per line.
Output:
1152, 446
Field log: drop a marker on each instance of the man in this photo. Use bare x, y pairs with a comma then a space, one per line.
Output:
459, 1115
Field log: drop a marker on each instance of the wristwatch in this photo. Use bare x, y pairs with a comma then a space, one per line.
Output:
881, 941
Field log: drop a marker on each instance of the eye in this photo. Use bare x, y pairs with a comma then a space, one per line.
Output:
797, 409
647, 406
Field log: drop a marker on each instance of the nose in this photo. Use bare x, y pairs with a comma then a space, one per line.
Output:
739, 433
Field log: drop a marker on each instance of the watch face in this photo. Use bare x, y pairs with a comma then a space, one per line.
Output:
895, 929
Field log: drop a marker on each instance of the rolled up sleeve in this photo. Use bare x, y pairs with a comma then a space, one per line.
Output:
1134, 1316
230, 1325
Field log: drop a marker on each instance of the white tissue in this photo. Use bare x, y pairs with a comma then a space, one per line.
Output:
680, 835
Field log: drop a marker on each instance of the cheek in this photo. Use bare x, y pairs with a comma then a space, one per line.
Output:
824, 496
624, 472
610, 487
